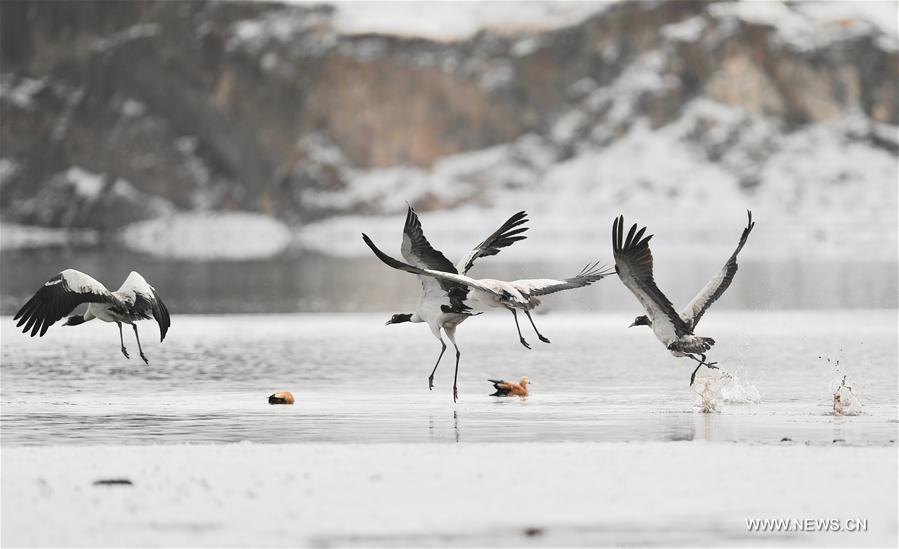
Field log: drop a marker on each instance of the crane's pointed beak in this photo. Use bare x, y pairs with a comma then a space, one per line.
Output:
632, 324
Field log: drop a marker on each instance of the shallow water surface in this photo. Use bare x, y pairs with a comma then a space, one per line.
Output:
356, 380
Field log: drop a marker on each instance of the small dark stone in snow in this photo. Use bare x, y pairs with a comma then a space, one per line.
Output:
838, 440
113, 482
786, 439
533, 531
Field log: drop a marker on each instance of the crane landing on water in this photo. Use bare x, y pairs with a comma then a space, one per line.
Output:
135, 300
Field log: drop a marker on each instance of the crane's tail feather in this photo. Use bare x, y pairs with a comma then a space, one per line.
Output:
691, 344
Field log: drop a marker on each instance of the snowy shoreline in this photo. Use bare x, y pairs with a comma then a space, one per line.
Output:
674, 493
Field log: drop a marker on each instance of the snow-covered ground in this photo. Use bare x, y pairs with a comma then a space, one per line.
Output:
441, 20
669, 494
15, 237
198, 236
209, 235
808, 24
448, 20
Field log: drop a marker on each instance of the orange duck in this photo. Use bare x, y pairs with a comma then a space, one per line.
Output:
510, 388
281, 397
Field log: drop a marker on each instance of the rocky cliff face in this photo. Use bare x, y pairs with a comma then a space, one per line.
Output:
116, 112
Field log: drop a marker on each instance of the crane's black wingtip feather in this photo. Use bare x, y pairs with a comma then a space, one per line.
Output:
23, 312
368, 242
411, 217
639, 236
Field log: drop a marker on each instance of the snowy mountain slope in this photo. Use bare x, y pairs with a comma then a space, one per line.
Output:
448, 21
822, 191
681, 115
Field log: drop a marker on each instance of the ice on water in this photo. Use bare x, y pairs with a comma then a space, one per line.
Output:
356, 380
610, 418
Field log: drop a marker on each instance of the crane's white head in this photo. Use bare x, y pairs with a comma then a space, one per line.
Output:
399, 318
642, 320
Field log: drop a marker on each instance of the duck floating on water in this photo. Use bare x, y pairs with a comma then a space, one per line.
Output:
510, 388
281, 397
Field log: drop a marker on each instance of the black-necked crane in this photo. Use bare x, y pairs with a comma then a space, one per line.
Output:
442, 303
516, 295
633, 263
135, 300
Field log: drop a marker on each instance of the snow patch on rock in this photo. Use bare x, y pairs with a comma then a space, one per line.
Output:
208, 236
20, 237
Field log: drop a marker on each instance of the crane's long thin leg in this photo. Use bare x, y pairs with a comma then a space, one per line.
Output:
122, 340
517, 327
693, 375
702, 362
431, 377
137, 337
451, 334
543, 339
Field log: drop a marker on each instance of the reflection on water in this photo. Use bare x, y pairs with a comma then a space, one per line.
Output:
319, 283
356, 380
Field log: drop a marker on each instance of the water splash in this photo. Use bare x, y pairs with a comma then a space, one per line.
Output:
722, 387
738, 389
708, 389
845, 400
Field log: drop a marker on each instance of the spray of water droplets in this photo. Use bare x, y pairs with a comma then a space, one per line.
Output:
722, 387
845, 399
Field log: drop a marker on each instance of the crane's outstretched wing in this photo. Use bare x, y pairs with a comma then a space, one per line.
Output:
139, 300
57, 298
542, 286
417, 251
717, 285
453, 278
506, 235
633, 263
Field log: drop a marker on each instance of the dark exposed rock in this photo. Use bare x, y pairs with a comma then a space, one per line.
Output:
247, 106
113, 482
